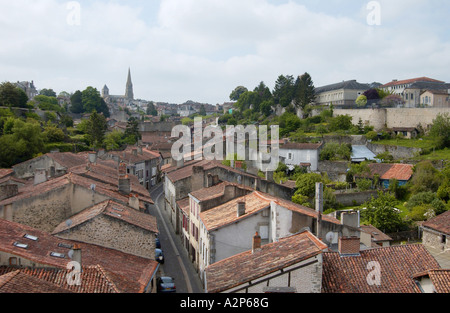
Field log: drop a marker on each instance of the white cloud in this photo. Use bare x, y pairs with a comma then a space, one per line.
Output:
202, 49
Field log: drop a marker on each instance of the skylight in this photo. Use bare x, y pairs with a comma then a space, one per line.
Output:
65, 245
117, 209
58, 255
31, 237
21, 245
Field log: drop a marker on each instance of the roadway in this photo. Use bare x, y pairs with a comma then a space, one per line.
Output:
177, 264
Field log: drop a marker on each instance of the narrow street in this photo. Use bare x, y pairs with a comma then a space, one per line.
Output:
177, 264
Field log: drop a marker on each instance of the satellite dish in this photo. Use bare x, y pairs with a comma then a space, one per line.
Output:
93, 187
330, 236
70, 253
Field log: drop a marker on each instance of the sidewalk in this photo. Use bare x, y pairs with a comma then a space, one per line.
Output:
442, 258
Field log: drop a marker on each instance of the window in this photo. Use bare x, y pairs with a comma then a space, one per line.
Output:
290, 156
21, 245
30, 237
57, 255
264, 232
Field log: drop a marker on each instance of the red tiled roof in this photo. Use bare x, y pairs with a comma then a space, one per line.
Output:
6, 172
410, 81
245, 267
114, 210
398, 264
184, 205
216, 191
440, 223
130, 273
94, 279
391, 171
17, 281
440, 279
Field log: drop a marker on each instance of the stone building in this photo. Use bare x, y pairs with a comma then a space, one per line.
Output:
293, 264
340, 94
25, 247
436, 233
112, 225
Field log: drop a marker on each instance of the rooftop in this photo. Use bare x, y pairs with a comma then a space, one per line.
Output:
131, 273
114, 210
397, 264
248, 266
349, 84
440, 223
410, 81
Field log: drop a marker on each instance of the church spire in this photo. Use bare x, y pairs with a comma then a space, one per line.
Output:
129, 88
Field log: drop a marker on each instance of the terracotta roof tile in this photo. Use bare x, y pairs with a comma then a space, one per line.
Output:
248, 266
216, 191
17, 281
410, 81
440, 223
440, 279
398, 264
391, 171
114, 210
130, 273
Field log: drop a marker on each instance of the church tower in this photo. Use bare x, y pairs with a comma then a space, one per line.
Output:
129, 89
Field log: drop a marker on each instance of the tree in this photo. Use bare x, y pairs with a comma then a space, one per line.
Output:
92, 101
306, 184
392, 100
372, 94
132, 133
47, 103
341, 122
425, 178
96, 128
304, 91
333, 151
48, 93
361, 101
284, 91
237, 92
113, 140
440, 130
151, 110
380, 212
12, 96
77, 103
202, 111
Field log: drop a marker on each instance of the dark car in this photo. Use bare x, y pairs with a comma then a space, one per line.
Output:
158, 243
166, 284
159, 256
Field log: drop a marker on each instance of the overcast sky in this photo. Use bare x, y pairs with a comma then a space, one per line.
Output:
200, 50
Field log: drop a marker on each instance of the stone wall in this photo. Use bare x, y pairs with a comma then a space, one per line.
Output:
435, 240
111, 233
393, 117
398, 152
355, 198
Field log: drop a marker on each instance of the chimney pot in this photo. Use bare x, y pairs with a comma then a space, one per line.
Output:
256, 246
240, 209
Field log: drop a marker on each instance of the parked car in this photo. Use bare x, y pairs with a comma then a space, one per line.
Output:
166, 284
158, 243
159, 256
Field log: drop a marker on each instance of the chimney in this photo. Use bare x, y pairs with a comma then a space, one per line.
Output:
76, 255
40, 176
133, 202
319, 208
350, 219
124, 180
256, 246
240, 209
93, 157
209, 180
134, 151
348, 245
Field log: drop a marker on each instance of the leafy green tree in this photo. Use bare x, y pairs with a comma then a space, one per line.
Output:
425, 178
47, 103
288, 122
12, 96
96, 128
380, 212
333, 151
304, 91
48, 93
237, 92
361, 101
440, 130
53, 134
92, 101
114, 140
341, 122
306, 184
202, 111
77, 102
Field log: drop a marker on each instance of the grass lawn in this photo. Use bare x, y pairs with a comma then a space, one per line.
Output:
436, 155
424, 143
